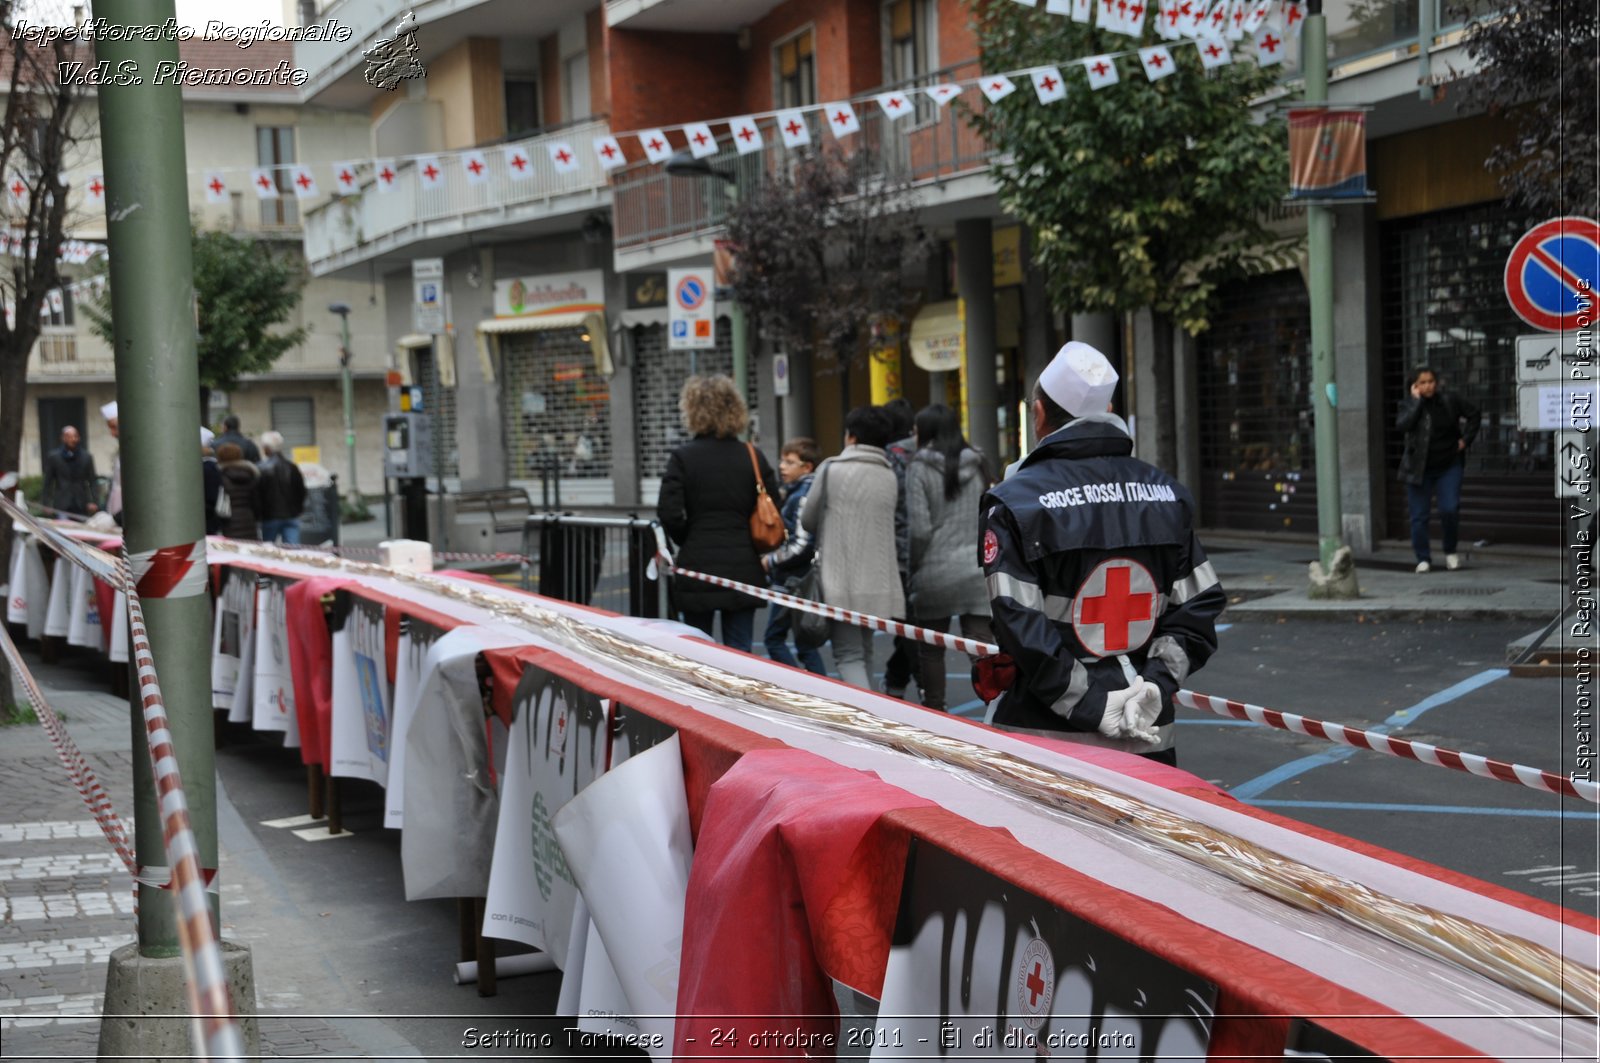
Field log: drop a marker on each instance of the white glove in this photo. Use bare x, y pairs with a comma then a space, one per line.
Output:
1130, 712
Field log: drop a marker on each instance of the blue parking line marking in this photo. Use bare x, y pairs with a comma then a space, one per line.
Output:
1284, 772
1223, 627
968, 708
1454, 810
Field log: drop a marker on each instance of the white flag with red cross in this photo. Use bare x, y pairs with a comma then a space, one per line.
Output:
430, 174
997, 87
216, 187
1271, 46
702, 141
1134, 17
657, 148
563, 158
1105, 15
1102, 71
261, 180
345, 179
1214, 52
943, 93
1256, 13
95, 189
793, 128
842, 118
746, 134
1294, 16
1157, 62
518, 162
1083, 11
304, 182
895, 105
476, 167
1167, 17
384, 175
58, 302
1049, 84
1237, 10
1215, 22
1191, 14
609, 152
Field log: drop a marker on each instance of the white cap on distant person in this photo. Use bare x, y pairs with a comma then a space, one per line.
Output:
109, 410
1079, 379
206, 436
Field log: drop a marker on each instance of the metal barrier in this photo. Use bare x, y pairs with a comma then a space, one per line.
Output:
606, 562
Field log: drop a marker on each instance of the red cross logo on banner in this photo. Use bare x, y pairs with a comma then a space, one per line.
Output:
475, 166
700, 138
430, 171
263, 182
746, 133
1049, 83
1101, 67
655, 144
386, 175
519, 161
1115, 609
303, 181
346, 177
794, 128
563, 156
95, 188
1270, 43
1035, 984
1213, 51
608, 151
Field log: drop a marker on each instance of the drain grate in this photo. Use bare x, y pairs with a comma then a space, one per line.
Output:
1468, 592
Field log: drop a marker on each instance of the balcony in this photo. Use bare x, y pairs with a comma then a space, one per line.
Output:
936, 150
370, 225
687, 16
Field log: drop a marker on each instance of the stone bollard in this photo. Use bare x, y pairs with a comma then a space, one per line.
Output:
146, 1008
1340, 582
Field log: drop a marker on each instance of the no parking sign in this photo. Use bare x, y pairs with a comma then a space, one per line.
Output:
1552, 273
691, 310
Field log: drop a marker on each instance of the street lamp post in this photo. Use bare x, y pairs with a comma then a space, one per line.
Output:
684, 164
342, 310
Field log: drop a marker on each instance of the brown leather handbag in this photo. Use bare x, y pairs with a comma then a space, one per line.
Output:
766, 523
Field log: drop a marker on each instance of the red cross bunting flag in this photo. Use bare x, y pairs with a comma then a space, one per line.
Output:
842, 119
1270, 46
1216, 21
1327, 153
1082, 10
793, 128
563, 157
1214, 52
216, 187
344, 177
996, 87
1167, 18
384, 175
657, 148
1157, 62
1255, 14
1049, 84
1237, 10
1294, 16
896, 105
702, 141
518, 164
1192, 17
746, 134
430, 174
1115, 609
261, 180
475, 165
1102, 71
609, 152
944, 93
304, 181
95, 189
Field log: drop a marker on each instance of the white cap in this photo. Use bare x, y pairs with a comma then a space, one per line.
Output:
1079, 379
109, 410
206, 436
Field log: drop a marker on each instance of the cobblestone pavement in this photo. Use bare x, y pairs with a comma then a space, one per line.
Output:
67, 901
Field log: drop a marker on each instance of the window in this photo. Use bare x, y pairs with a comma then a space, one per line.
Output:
576, 70
275, 148
522, 106
295, 419
795, 66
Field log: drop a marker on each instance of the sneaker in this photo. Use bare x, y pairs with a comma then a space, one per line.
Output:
1423, 566
1452, 561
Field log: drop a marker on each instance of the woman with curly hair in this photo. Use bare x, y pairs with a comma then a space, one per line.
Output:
707, 495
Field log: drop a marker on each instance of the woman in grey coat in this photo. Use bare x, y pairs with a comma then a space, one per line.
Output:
945, 482
850, 511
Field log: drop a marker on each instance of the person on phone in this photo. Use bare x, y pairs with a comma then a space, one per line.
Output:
1439, 427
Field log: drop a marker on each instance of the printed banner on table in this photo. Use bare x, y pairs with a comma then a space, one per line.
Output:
360, 727
84, 627
228, 631
58, 612
29, 595
556, 748
984, 969
272, 681
416, 640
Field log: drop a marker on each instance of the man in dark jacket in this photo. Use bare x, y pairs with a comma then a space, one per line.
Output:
1103, 599
283, 494
1439, 427
231, 434
69, 477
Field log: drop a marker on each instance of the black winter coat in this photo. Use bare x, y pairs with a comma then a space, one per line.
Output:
707, 495
242, 481
69, 482
1445, 416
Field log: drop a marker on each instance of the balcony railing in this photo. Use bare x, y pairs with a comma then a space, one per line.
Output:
58, 349
933, 144
356, 227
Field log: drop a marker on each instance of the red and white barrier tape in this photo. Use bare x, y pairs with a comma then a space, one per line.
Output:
207, 982
82, 775
1422, 752
96, 561
170, 572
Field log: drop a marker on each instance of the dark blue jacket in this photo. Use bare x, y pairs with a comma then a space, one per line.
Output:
795, 555
1091, 556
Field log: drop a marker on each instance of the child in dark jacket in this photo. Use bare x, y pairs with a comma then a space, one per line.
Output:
789, 562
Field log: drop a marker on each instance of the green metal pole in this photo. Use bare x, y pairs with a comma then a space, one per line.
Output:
349, 408
1324, 387
158, 387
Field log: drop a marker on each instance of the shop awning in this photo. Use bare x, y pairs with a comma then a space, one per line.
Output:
938, 337
489, 332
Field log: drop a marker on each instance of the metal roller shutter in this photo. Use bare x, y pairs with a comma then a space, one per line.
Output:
557, 408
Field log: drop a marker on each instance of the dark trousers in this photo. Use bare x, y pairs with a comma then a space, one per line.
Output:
737, 625
1446, 483
901, 667
779, 623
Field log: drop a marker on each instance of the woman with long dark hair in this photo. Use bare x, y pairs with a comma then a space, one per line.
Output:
944, 485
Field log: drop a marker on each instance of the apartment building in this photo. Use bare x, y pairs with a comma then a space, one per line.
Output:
231, 130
